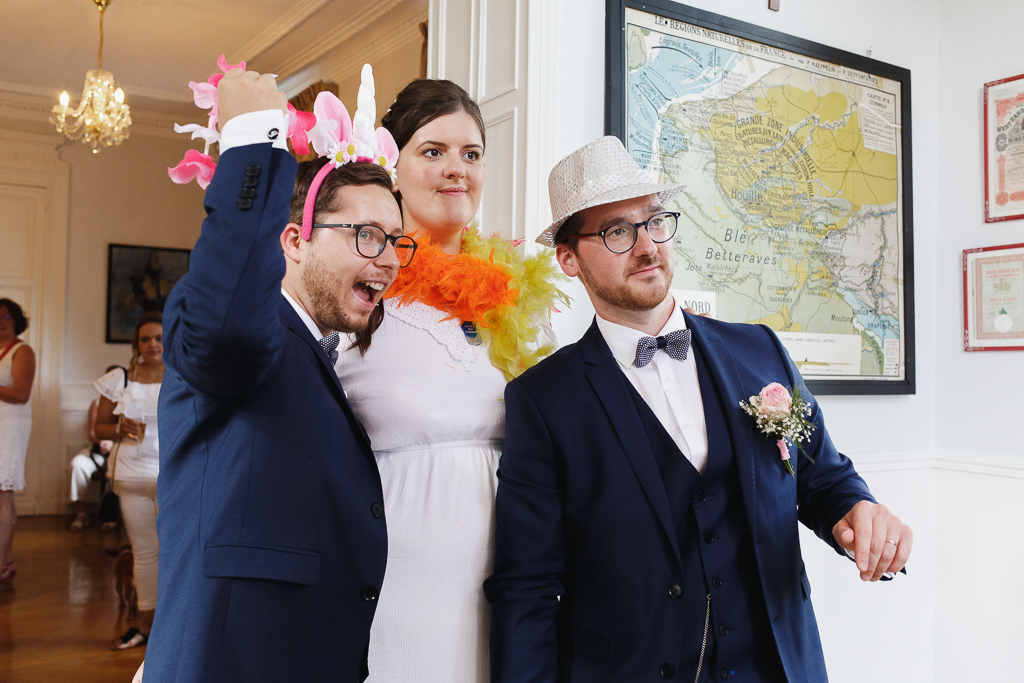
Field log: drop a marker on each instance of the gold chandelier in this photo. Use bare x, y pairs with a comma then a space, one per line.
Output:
102, 117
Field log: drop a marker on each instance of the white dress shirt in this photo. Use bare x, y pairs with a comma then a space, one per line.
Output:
670, 387
253, 128
306, 317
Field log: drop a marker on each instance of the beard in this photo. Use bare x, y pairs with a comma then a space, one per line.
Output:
326, 293
622, 295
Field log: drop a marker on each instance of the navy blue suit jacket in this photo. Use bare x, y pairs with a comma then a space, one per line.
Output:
272, 539
583, 514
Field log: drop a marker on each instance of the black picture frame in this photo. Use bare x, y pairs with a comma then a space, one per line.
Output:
139, 278
615, 124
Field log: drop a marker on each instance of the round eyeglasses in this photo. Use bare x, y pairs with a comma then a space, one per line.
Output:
371, 240
621, 237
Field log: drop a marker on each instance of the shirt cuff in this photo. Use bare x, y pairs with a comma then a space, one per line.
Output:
254, 128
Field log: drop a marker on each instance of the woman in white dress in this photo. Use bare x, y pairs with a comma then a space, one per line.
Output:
128, 416
465, 316
17, 369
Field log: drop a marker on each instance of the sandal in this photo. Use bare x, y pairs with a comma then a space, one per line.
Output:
132, 638
8, 574
81, 522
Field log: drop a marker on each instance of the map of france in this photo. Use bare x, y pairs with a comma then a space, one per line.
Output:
791, 215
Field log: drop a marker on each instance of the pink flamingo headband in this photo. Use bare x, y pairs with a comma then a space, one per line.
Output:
343, 140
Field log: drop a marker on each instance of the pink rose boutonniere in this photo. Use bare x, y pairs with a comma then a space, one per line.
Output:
781, 416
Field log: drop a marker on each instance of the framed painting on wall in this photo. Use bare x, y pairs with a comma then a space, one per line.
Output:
798, 210
994, 298
138, 282
1004, 149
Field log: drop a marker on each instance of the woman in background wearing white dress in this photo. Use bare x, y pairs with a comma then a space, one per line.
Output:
17, 370
468, 314
128, 416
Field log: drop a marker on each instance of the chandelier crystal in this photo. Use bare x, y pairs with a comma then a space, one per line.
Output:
102, 118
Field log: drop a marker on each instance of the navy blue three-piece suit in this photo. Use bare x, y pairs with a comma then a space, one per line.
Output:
272, 536
615, 556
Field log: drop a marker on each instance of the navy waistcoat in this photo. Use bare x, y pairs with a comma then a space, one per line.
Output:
717, 552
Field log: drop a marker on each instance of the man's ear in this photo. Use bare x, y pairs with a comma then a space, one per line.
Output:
292, 242
567, 259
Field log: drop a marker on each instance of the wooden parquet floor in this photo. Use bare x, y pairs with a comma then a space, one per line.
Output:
61, 615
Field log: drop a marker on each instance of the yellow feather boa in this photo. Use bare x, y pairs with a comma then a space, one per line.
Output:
492, 284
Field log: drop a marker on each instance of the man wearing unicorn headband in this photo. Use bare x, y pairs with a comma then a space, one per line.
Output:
271, 510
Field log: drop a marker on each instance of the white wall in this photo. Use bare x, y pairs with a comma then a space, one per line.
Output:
952, 467
121, 195
980, 596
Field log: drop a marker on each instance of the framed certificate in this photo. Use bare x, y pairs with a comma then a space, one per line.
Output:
994, 298
1004, 149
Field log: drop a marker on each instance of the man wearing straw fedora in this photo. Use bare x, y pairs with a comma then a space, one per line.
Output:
646, 522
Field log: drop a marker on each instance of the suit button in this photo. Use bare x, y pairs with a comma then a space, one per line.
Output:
723, 630
666, 670
724, 674
368, 593
675, 591
244, 203
701, 496
253, 171
708, 537
247, 193
718, 582
250, 181
377, 509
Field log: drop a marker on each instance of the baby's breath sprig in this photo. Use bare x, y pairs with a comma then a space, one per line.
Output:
782, 417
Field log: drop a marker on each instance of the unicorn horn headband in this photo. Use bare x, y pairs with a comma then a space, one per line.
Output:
343, 140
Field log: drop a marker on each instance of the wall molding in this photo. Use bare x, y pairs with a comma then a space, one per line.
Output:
278, 30
332, 37
24, 106
350, 62
1009, 466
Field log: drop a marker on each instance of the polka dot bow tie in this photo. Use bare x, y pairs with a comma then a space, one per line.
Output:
330, 346
676, 344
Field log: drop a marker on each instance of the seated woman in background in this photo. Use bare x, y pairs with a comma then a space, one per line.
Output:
17, 370
89, 469
128, 416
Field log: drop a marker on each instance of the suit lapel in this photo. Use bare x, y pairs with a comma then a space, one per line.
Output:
722, 367
609, 384
295, 324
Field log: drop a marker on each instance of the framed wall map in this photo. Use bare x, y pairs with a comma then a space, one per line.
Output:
798, 208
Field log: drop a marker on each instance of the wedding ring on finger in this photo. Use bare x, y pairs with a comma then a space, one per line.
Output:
893, 542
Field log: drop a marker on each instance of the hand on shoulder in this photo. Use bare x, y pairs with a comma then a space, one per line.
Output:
241, 92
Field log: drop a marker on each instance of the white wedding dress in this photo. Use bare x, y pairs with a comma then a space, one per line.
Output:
433, 406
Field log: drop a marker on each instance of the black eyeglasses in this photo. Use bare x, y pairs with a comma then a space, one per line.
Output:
621, 237
371, 241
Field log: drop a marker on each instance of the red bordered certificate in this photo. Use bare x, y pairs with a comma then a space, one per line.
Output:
994, 298
1004, 149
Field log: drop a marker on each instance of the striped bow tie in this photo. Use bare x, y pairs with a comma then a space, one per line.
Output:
330, 346
676, 344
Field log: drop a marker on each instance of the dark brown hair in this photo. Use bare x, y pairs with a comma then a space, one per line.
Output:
20, 321
424, 100
151, 317
572, 226
328, 201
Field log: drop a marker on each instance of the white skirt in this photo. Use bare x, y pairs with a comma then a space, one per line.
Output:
432, 619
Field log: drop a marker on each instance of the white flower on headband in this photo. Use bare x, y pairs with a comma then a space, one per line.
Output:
344, 140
